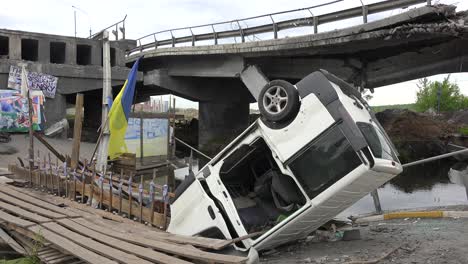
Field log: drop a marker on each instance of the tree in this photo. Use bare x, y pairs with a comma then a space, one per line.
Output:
451, 99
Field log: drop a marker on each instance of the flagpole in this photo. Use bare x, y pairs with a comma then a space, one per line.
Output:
26, 93
106, 93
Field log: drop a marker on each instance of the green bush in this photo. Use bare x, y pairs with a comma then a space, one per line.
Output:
450, 97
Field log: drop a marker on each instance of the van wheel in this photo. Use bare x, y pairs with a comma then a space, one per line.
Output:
279, 101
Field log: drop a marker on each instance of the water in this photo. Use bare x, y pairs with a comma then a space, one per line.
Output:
429, 185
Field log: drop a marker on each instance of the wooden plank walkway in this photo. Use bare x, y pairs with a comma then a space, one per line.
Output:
32, 200
70, 247
30, 207
92, 239
159, 245
91, 244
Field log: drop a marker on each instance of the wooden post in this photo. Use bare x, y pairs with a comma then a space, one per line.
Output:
375, 197
168, 130
93, 177
65, 172
173, 125
45, 173
101, 193
110, 192
51, 179
140, 193
120, 191
165, 194
130, 197
39, 181
58, 176
74, 185
31, 137
152, 190
83, 181
77, 131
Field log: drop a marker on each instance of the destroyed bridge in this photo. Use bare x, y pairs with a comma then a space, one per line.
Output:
420, 41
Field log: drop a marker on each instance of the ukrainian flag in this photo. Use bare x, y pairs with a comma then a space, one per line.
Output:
118, 114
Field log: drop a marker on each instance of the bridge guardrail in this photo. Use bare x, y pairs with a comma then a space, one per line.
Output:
115, 31
274, 27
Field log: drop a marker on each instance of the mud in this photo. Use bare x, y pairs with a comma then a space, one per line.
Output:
415, 240
417, 135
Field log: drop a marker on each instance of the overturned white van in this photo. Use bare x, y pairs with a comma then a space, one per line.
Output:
316, 150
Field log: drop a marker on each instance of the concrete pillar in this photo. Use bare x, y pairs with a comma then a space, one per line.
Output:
14, 49
55, 109
96, 54
43, 51
219, 123
70, 53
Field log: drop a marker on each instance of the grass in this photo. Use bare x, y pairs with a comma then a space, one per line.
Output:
24, 260
38, 243
463, 130
381, 108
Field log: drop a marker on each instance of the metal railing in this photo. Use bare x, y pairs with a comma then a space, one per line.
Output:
115, 31
193, 149
273, 27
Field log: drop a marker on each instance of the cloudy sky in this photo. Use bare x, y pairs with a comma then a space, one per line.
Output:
144, 17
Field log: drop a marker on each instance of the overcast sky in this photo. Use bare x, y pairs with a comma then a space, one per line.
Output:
144, 17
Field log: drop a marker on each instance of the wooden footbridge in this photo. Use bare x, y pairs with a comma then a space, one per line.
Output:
64, 230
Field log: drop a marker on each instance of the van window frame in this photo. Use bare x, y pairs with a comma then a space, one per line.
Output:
310, 145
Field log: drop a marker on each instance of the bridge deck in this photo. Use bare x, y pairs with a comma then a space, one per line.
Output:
71, 234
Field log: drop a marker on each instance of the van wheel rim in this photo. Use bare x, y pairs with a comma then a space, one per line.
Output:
275, 100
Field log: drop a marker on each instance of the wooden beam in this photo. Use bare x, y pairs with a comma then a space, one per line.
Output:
75, 155
23, 213
11, 242
30, 207
19, 196
143, 252
99, 248
49, 147
8, 218
167, 247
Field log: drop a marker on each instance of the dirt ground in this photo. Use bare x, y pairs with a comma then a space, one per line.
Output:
19, 144
433, 241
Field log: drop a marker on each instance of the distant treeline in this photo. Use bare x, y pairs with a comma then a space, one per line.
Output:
381, 108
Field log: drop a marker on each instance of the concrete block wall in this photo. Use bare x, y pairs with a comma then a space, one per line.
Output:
72, 76
71, 43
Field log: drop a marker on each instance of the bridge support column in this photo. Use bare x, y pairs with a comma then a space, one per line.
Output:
219, 123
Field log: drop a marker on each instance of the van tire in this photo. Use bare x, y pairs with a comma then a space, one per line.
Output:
279, 101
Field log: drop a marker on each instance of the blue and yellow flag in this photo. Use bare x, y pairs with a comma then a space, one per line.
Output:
118, 114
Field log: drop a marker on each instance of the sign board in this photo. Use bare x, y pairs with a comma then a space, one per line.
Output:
14, 112
36, 81
154, 136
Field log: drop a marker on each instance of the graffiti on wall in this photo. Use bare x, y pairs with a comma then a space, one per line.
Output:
14, 111
36, 81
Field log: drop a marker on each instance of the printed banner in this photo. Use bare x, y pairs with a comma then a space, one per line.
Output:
36, 81
14, 111
154, 136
